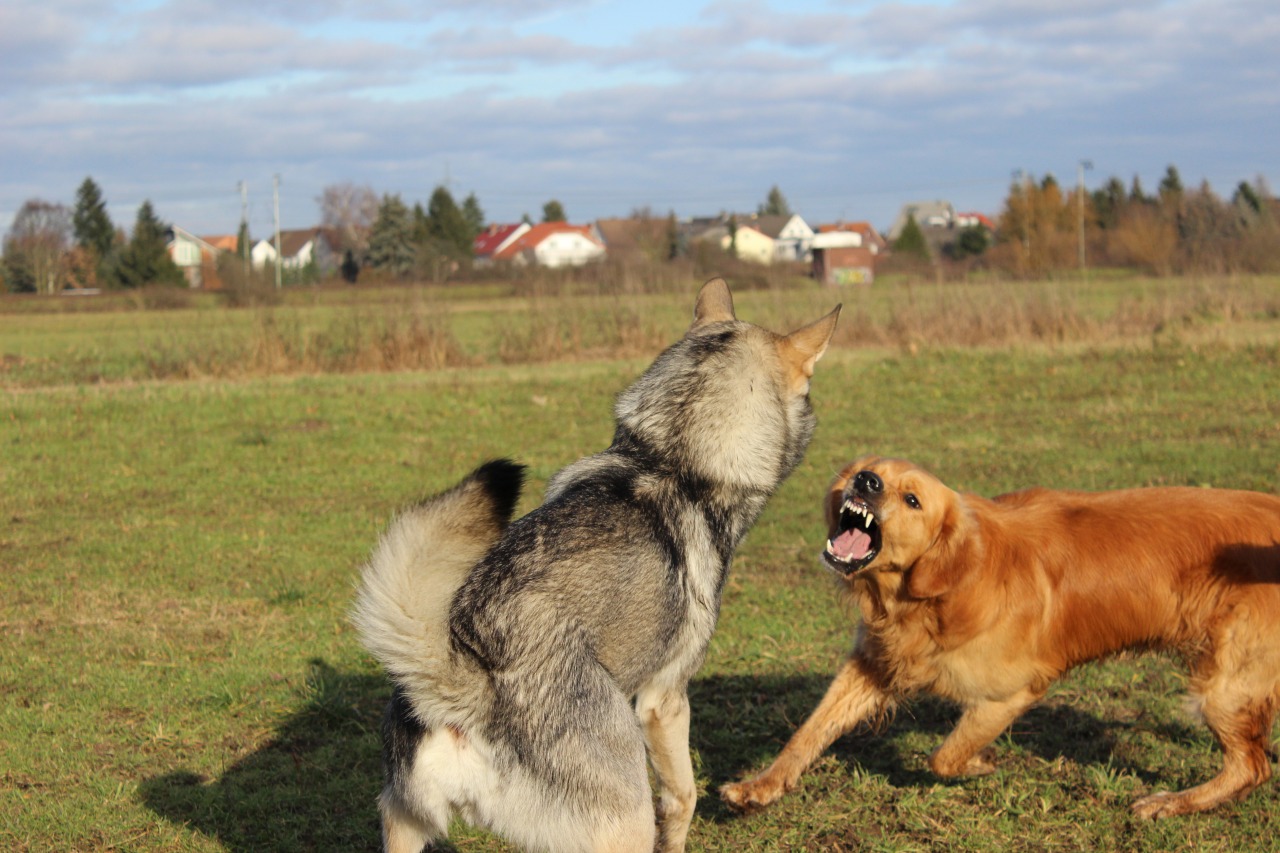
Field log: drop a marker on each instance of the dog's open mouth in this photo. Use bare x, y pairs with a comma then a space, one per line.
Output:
857, 538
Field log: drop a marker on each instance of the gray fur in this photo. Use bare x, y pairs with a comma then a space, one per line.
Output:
514, 707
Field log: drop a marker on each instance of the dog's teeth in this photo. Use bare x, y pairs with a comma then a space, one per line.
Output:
867, 518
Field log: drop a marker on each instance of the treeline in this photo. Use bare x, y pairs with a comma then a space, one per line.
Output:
395, 241
1044, 228
49, 248
423, 243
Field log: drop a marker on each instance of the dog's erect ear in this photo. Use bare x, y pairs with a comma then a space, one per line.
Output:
942, 566
715, 304
804, 347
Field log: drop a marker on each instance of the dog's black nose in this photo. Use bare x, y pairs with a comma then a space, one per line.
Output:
867, 483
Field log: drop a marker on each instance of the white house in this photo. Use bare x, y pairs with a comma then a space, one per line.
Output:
754, 238
299, 249
197, 257
554, 244
749, 243
792, 236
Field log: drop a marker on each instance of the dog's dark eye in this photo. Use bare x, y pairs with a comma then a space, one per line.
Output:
912, 500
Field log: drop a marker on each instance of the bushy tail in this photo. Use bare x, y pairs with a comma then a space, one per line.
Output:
401, 610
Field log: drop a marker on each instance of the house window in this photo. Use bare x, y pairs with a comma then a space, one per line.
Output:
186, 254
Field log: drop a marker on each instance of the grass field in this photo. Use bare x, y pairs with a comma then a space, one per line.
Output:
178, 547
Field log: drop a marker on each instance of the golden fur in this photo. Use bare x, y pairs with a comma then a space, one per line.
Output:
987, 602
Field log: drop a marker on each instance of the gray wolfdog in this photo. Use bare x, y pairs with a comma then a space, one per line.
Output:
517, 648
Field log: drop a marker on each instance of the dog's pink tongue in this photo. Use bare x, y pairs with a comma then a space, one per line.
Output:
851, 545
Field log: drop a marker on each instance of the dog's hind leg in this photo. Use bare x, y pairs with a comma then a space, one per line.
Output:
854, 696
664, 717
1243, 729
413, 811
403, 831
962, 753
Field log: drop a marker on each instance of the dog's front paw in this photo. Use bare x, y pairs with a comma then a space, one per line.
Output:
751, 795
982, 764
948, 766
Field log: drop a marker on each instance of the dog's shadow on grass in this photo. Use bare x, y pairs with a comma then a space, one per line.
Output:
311, 787
757, 715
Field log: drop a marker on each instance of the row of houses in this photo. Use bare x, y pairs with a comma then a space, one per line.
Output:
300, 249
842, 252
839, 252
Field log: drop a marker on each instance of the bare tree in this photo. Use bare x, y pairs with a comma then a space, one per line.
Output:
35, 250
350, 210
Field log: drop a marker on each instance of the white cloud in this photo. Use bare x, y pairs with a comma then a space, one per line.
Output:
851, 108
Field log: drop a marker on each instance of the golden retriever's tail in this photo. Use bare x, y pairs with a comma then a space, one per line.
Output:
401, 611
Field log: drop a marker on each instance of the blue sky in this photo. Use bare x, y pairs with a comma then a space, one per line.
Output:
851, 108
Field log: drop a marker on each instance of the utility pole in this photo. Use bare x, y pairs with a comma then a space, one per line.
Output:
244, 225
275, 193
1084, 164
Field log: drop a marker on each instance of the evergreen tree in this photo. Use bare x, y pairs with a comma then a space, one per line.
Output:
775, 204
911, 242
447, 226
90, 223
1108, 203
972, 241
1136, 195
1250, 205
242, 240
1171, 189
473, 214
391, 238
553, 211
421, 225
145, 260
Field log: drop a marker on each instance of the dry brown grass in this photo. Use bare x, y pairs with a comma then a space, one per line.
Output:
1013, 313
565, 317
549, 332
403, 337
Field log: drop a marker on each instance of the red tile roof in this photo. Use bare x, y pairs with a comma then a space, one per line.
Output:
225, 242
981, 217
488, 240
537, 233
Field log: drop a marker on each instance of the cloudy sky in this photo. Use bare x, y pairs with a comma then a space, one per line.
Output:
851, 107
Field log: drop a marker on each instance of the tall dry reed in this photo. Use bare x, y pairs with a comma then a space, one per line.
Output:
413, 333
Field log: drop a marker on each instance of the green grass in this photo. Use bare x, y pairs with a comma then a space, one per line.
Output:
177, 557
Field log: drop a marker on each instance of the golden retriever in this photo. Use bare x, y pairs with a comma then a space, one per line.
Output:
987, 602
